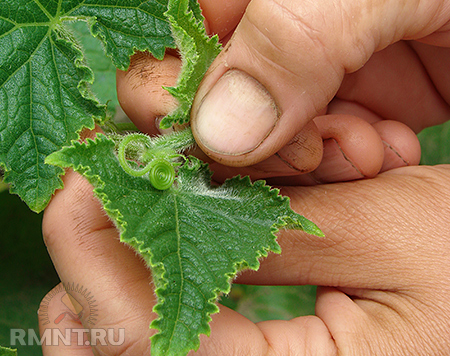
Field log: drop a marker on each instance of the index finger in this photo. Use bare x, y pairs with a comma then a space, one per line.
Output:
383, 233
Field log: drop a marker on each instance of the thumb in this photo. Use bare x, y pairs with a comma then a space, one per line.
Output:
285, 62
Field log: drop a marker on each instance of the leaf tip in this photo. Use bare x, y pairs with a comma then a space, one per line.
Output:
54, 159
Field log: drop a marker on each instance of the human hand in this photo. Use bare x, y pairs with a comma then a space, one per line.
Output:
383, 267
307, 54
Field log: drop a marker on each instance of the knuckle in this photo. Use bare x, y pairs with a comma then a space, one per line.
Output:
322, 32
73, 213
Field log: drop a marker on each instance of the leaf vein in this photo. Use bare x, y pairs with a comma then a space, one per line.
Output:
43, 9
30, 57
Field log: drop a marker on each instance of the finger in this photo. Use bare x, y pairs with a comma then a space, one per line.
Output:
352, 149
345, 325
380, 234
232, 334
395, 84
76, 229
140, 89
384, 322
302, 155
284, 64
222, 16
401, 145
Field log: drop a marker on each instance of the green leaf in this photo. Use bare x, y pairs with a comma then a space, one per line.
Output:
196, 11
435, 144
45, 98
195, 237
125, 26
104, 86
197, 53
4, 351
261, 303
41, 107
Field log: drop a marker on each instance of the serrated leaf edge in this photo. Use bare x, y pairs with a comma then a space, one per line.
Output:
192, 164
56, 160
83, 88
189, 56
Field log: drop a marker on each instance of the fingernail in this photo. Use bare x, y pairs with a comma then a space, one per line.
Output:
236, 115
335, 166
304, 152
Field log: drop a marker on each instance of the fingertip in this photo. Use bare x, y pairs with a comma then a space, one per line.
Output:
305, 151
352, 149
140, 89
336, 166
337, 310
222, 17
236, 122
401, 145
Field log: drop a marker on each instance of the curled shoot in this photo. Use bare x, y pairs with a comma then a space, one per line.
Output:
161, 173
156, 158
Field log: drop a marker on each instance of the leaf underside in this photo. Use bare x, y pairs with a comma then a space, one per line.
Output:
195, 237
45, 100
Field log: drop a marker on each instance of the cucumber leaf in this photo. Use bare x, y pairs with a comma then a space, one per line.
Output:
104, 86
197, 52
45, 98
195, 237
434, 142
4, 351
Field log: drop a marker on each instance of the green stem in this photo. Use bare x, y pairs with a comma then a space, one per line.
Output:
146, 150
178, 141
126, 126
117, 127
130, 139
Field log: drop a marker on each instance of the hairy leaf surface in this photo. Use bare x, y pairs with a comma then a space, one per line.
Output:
197, 53
44, 84
195, 237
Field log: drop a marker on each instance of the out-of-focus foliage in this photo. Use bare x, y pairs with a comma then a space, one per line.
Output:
435, 142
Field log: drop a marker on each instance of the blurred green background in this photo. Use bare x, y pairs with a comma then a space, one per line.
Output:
27, 274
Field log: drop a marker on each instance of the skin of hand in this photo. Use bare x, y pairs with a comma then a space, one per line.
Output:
382, 267
294, 72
